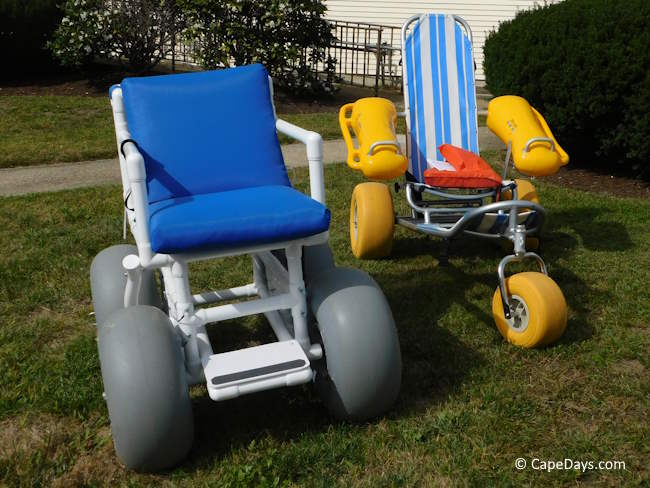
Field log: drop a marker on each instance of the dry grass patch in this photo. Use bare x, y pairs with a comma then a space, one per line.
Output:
632, 367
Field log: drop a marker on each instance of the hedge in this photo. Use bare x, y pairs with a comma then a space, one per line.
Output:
585, 64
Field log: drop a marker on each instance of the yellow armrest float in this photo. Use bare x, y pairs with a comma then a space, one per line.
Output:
377, 153
535, 151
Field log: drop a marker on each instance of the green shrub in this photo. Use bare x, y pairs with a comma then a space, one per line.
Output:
25, 28
287, 36
135, 31
585, 64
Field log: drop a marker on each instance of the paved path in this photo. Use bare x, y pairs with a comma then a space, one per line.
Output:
52, 177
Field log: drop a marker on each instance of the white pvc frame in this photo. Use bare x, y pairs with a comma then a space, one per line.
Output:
278, 287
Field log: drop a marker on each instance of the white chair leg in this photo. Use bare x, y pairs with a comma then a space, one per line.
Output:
297, 289
181, 311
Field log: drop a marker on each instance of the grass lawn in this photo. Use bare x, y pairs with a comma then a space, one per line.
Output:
55, 129
470, 403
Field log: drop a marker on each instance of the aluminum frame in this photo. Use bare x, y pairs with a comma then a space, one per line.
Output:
278, 287
449, 221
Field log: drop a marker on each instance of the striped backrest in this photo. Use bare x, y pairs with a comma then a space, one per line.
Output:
439, 92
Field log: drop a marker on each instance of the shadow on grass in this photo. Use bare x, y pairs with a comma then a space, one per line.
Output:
578, 296
436, 362
595, 234
451, 279
412, 244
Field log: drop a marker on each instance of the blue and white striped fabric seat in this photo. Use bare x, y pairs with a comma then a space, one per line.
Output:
439, 93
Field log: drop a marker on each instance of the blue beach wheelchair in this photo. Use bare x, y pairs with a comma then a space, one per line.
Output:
203, 177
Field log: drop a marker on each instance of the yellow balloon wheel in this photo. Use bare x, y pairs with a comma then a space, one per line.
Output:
538, 310
372, 221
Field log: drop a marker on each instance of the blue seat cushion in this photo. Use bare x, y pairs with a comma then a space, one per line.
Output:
205, 132
234, 218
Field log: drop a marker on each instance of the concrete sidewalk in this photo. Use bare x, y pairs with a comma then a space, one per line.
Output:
62, 176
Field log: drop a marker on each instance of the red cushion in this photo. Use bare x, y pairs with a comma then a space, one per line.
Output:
471, 170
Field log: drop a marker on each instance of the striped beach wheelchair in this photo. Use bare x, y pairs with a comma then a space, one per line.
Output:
203, 177
450, 190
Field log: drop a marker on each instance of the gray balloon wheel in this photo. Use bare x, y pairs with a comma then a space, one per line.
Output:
146, 388
361, 373
107, 282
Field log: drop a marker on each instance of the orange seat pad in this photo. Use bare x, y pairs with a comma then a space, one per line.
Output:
471, 170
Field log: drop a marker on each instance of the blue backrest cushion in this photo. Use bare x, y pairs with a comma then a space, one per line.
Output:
205, 132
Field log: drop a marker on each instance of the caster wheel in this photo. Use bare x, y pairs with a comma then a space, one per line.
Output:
539, 310
360, 374
372, 221
108, 281
145, 387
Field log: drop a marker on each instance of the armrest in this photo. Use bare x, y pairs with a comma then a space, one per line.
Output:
314, 143
535, 151
368, 129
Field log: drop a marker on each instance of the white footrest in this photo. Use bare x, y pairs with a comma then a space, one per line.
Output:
231, 374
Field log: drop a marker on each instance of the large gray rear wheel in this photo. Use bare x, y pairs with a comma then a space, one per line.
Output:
108, 280
361, 373
146, 388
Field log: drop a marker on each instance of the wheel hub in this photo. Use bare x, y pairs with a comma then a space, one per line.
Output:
519, 315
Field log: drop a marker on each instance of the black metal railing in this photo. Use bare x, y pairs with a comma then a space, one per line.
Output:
366, 54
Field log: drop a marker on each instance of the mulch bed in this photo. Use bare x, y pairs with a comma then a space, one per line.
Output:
602, 183
97, 82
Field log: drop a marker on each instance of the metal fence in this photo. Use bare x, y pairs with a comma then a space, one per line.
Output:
366, 54
182, 52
